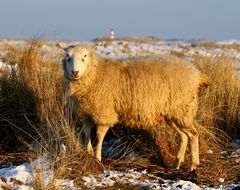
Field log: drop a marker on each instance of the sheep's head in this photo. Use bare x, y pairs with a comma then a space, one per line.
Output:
76, 60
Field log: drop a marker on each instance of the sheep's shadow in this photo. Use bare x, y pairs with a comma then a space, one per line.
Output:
18, 111
124, 143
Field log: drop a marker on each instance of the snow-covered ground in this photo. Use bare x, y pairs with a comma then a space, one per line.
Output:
21, 176
126, 48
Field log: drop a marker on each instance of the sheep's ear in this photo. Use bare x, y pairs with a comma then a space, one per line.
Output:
96, 45
61, 45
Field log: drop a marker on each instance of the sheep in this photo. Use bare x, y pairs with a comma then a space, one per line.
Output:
140, 93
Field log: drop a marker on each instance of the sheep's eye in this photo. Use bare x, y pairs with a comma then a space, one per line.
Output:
67, 57
83, 60
85, 55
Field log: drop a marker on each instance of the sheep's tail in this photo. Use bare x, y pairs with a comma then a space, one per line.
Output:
204, 81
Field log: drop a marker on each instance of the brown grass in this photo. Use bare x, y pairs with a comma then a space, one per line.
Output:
220, 104
33, 108
35, 114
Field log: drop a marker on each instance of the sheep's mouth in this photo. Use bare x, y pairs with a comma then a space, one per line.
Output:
72, 78
75, 77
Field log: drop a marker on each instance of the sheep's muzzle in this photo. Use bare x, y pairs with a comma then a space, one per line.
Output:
75, 73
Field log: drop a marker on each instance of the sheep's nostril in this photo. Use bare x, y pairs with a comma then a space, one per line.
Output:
75, 73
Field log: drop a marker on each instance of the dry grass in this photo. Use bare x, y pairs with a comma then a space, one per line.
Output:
220, 104
35, 114
214, 45
33, 108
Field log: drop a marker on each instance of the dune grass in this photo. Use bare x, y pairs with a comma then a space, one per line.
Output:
33, 108
220, 103
34, 115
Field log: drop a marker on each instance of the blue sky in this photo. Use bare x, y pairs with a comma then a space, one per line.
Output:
88, 19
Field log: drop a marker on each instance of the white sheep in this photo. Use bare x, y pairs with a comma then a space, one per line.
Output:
136, 93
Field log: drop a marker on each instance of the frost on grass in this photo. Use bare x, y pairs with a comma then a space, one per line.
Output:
21, 177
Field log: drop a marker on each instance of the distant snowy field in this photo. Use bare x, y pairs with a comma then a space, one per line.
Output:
20, 177
120, 49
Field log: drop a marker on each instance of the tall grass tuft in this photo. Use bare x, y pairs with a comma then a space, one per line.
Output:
33, 108
220, 103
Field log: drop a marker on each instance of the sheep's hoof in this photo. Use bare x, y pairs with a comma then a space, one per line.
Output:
99, 159
90, 151
194, 167
176, 164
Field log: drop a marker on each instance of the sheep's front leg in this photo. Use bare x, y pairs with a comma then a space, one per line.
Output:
101, 132
87, 128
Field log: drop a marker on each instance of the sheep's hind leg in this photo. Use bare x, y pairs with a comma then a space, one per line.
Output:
193, 136
101, 132
183, 146
87, 128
